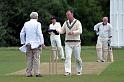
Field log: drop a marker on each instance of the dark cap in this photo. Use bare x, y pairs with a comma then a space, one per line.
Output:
53, 17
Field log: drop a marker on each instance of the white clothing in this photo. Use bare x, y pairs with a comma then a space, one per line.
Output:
104, 32
55, 39
102, 49
32, 38
74, 45
55, 26
77, 29
23, 48
32, 33
68, 51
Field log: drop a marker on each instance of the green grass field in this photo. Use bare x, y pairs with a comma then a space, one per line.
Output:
11, 60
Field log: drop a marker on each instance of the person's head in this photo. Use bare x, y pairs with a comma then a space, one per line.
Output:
69, 15
34, 15
53, 19
105, 20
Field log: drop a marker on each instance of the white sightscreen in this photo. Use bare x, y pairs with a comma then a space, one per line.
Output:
117, 21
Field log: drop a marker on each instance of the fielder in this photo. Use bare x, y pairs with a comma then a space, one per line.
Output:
72, 29
55, 37
103, 30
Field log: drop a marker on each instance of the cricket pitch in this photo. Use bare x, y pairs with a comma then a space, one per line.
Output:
88, 68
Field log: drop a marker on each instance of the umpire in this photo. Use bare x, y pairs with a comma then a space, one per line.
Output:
31, 36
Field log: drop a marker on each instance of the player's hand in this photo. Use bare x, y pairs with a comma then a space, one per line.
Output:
71, 33
57, 30
43, 46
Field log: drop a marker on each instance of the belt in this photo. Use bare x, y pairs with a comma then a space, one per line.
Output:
73, 41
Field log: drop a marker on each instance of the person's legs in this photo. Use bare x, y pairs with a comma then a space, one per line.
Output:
61, 51
68, 51
99, 50
77, 50
36, 61
105, 48
29, 59
54, 45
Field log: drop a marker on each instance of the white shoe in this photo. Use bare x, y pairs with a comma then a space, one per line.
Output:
79, 73
67, 74
100, 60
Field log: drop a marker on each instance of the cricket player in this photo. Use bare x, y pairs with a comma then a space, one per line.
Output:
55, 38
72, 29
103, 30
31, 36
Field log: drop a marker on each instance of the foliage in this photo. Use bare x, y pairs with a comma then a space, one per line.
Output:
13, 14
89, 13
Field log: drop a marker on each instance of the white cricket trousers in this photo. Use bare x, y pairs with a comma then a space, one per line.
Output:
76, 52
57, 43
102, 49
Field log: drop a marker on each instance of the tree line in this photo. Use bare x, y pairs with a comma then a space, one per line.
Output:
13, 14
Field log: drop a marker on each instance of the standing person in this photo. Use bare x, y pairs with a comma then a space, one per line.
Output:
72, 29
54, 38
31, 36
103, 30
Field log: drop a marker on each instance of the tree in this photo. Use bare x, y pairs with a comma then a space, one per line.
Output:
89, 13
14, 13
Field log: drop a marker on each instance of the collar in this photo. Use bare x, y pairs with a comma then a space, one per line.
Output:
33, 19
53, 24
104, 24
72, 21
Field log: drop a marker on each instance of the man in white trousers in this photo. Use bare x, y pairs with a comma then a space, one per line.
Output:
103, 30
55, 38
31, 36
72, 29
